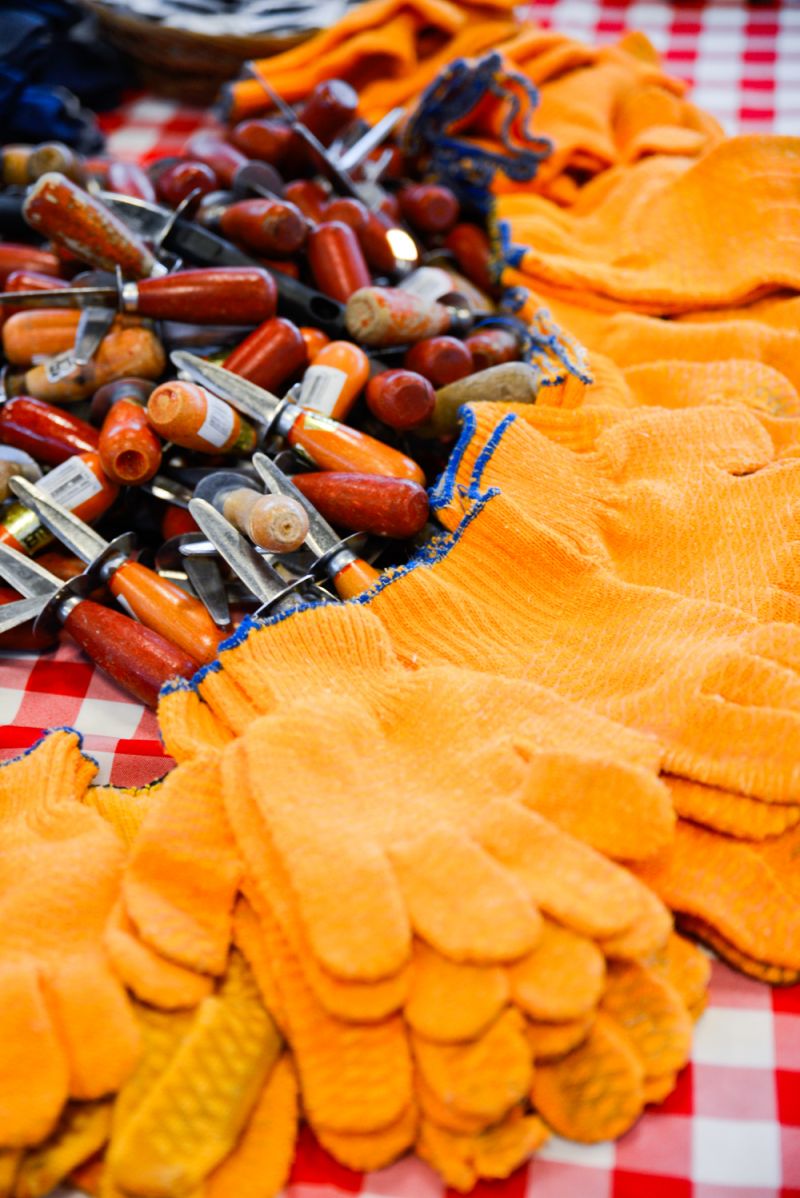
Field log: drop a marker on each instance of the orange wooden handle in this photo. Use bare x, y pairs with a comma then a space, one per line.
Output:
334, 446
167, 609
355, 578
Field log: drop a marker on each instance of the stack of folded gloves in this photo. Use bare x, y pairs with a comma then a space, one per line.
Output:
414, 875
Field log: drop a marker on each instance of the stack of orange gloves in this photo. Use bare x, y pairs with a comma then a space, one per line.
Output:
414, 875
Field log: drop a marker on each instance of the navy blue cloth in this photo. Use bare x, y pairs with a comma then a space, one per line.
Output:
51, 65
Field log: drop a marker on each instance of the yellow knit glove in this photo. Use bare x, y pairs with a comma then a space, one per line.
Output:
65, 1019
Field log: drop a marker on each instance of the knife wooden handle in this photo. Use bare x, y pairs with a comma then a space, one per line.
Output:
26, 257
383, 316
386, 507
238, 295
139, 659
334, 446
355, 578
168, 610
70, 217
224, 159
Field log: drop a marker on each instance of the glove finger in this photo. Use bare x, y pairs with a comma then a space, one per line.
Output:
193, 1115
647, 934
753, 680
566, 879
181, 880
96, 1025
369, 1151
450, 1000
652, 1014
152, 978
365, 933
621, 810
463, 902
737, 747
747, 905
354, 1078
595, 1092
483, 1077
188, 726
734, 814
685, 967
82, 1130
495, 1153
762, 971
259, 1164
562, 979
122, 807
551, 1041
28, 1114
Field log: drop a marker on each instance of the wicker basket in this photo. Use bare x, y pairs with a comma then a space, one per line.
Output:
183, 65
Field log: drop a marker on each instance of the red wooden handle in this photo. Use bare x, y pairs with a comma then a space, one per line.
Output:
224, 295
267, 226
388, 507
137, 658
70, 217
168, 610
224, 159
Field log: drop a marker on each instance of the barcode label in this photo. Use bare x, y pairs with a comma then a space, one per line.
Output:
429, 282
322, 386
218, 423
71, 483
60, 367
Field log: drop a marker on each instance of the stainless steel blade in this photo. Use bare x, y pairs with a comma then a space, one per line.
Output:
204, 575
253, 401
14, 614
26, 576
361, 149
143, 217
93, 325
321, 537
78, 536
259, 577
63, 297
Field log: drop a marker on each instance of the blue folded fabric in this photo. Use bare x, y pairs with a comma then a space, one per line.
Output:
51, 65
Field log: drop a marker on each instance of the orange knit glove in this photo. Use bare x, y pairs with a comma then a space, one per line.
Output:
690, 500
65, 1019
743, 899
653, 236
718, 690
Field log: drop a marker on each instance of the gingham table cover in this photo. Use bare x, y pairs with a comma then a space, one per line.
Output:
731, 1129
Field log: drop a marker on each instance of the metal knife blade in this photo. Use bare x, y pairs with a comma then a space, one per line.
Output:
69, 297
253, 401
259, 577
26, 576
361, 149
78, 537
321, 537
203, 573
18, 612
93, 324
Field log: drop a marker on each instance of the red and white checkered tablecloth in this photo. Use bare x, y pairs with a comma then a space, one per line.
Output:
732, 1127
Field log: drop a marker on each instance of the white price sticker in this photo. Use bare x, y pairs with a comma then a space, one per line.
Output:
428, 283
322, 386
71, 483
218, 423
60, 367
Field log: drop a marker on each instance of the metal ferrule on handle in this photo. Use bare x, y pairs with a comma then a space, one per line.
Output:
129, 296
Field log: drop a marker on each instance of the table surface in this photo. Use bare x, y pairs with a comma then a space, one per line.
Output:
731, 1129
